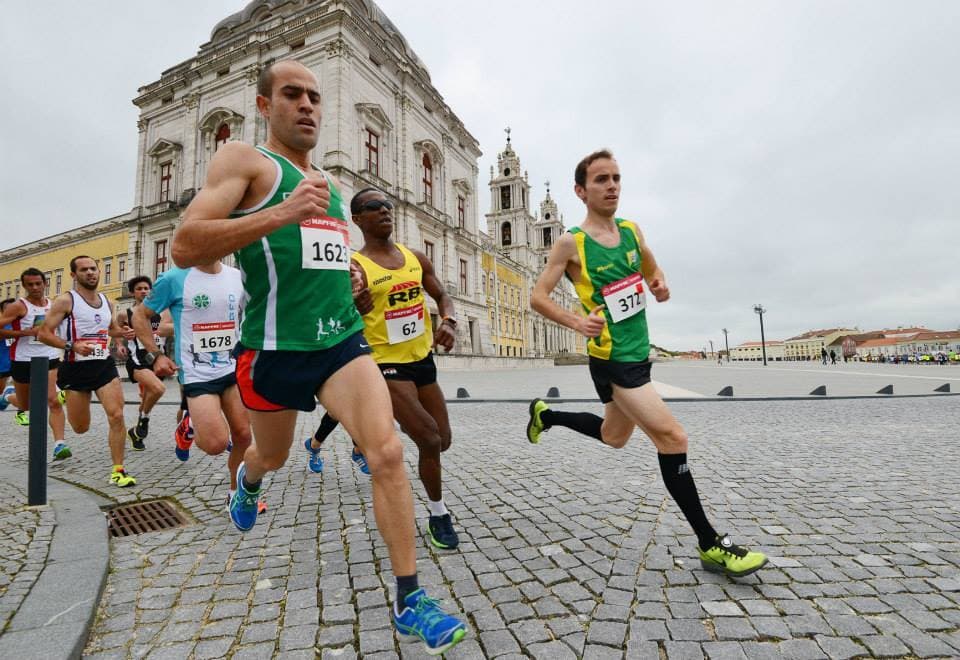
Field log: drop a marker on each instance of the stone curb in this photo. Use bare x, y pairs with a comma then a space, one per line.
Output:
715, 399
55, 618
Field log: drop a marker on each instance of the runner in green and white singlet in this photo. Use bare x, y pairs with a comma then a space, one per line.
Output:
608, 262
301, 338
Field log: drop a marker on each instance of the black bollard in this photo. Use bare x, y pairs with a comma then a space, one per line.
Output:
553, 393
462, 393
943, 388
37, 454
819, 391
886, 390
726, 391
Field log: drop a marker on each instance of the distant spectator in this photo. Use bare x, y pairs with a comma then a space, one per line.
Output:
833, 356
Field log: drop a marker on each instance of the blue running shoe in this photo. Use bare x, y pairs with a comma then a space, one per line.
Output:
61, 451
7, 391
423, 618
360, 461
315, 462
245, 504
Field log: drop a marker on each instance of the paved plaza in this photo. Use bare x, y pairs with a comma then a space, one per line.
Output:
568, 549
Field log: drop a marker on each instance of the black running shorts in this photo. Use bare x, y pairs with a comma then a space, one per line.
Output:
86, 376
20, 369
422, 372
607, 373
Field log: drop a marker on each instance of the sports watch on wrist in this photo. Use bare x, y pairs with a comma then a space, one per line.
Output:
151, 357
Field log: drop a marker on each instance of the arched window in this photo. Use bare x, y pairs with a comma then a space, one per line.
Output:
427, 179
505, 236
222, 136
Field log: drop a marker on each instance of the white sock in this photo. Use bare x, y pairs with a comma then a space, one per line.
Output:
437, 508
231, 492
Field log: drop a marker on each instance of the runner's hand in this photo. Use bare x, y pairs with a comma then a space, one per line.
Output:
592, 324
363, 301
83, 348
128, 332
444, 336
309, 199
121, 351
659, 289
164, 366
30, 332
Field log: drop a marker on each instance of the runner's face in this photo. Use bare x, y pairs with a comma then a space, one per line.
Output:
602, 192
87, 275
293, 109
34, 286
141, 291
375, 222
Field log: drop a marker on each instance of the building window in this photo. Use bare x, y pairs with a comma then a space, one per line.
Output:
547, 237
506, 237
122, 269
166, 174
160, 260
505, 197
427, 179
107, 270
372, 145
59, 282
48, 279
222, 136
463, 276
428, 250
461, 212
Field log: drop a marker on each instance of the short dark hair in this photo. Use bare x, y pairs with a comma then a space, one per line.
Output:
4, 303
134, 281
580, 174
355, 200
73, 262
33, 272
265, 80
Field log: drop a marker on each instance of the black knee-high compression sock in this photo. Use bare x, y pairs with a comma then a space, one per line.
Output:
581, 422
327, 424
679, 483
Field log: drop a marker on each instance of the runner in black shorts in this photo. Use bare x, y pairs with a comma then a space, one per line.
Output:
25, 316
609, 262
398, 328
91, 326
151, 387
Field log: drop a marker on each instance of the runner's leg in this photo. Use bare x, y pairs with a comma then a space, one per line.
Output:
111, 396
357, 396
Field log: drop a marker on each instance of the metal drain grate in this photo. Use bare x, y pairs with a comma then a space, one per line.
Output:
143, 517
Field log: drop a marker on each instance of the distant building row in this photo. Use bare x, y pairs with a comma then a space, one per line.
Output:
850, 343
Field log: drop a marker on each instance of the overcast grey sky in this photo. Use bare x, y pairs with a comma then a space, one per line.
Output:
802, 155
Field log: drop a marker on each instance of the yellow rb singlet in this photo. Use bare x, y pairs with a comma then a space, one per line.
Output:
398, 328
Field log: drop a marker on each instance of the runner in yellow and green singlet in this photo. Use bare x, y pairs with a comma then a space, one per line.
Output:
611, 268
301, 338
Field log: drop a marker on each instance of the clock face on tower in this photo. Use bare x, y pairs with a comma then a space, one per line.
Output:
546, 215
506, 171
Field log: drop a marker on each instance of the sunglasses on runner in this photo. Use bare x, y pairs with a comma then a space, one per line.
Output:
375, 205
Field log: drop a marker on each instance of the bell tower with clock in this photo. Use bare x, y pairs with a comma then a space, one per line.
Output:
509, 222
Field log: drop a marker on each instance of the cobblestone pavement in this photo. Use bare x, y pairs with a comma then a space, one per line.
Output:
568, 549
24, 543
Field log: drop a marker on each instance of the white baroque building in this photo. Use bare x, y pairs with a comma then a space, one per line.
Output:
383, 125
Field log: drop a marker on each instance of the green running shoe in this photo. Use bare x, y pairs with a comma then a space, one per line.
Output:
61, 451
62, 396
22, 418
733, 560
535, 425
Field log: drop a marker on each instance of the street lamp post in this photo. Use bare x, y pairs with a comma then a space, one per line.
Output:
712, 353
726, 343
763, 343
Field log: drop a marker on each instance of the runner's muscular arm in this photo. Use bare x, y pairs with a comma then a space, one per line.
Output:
14, 311
166, 324
444, 335
207, 233
62, 305
652, 274
141, 325
563, 253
